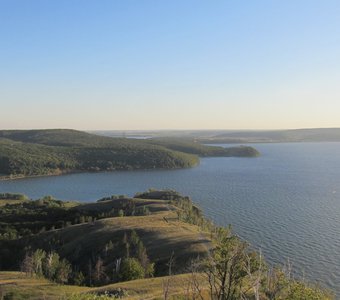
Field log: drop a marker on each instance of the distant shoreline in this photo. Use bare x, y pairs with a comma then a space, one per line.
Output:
15, 177
216, 142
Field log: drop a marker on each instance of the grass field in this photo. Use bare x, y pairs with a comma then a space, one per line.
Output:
25, 287
35, 288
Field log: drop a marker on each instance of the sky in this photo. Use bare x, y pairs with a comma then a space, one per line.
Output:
179, 64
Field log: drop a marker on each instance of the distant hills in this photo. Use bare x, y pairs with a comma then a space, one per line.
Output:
57, 151
277, 136
239, 136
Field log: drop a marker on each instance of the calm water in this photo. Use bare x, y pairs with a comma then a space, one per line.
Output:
286, 202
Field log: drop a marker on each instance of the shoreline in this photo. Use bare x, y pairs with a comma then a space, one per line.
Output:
16, 177
69, 172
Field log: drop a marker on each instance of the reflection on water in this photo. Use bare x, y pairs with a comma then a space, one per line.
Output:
286, 202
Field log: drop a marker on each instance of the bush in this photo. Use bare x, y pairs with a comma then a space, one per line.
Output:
131, 269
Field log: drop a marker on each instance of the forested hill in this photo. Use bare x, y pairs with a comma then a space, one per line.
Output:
46, 152
193, 147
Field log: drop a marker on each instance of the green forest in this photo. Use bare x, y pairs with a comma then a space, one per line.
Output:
50, 152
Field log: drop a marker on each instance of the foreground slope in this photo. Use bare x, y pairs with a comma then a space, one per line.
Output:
18, 286
125, 247
161, 233
86, 232
23, 287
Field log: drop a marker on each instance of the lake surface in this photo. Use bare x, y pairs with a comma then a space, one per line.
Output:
286, 202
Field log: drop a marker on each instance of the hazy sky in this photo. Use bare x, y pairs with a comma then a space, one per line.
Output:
154, 64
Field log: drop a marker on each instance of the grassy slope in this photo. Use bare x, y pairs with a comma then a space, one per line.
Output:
3, 202
161, 233
9, 198
38, 288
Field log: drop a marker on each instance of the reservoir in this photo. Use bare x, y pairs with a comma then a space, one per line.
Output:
285, 202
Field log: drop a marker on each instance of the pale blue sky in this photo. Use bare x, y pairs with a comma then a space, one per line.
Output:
185, 64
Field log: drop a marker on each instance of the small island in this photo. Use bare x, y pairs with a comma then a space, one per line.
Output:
26, 153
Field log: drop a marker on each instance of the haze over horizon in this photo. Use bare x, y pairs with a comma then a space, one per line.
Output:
151, 65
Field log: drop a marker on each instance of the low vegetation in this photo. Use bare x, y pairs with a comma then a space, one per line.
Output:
10, 198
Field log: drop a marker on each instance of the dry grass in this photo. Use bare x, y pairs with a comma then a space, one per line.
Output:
36, 288
152, 288
3, 202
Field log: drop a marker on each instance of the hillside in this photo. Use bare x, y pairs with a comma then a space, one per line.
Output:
44, 152
237, 136
83, 232
193, 147
23, 287
275, 136
51, 152
156, 245
152, 229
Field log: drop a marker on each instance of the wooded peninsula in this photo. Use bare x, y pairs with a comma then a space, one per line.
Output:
52, 152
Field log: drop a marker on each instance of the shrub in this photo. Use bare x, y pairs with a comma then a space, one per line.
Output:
131, 269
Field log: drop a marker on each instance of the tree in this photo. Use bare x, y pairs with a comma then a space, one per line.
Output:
27, 265
134, 238
193, 287
63, 271
50, 265
224, 267
167, 281
78, 278
99, 271
276, 281
37, 261
131, 269
143, 258
299, 291
254, 268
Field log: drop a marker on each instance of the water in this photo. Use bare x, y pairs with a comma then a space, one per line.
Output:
286, 202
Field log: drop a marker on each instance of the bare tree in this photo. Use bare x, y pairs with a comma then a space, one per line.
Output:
99, 271
27, 265
90, 272
254, 273
193, 287
275, 283
166, 282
